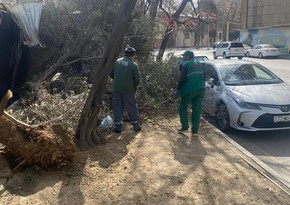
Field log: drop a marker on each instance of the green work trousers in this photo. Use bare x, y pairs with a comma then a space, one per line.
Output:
195, 99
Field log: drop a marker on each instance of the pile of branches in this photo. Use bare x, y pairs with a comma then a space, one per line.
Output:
43, 145
55, 109
158, 83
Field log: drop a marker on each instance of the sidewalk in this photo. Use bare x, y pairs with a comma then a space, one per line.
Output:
156, 166
256, 163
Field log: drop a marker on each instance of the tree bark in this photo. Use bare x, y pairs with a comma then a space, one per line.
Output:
87, 128
153, 9
168, 31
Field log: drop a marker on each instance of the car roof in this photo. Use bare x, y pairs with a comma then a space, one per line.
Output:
195, 56
265, 44
221, 62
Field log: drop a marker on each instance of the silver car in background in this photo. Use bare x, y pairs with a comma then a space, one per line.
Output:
246, 96
263, 50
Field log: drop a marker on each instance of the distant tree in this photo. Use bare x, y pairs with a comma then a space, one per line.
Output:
207, 11
172, 20
153, 8
228, 11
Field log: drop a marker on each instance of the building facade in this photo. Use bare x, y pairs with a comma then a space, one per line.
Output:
266, 21
228, 17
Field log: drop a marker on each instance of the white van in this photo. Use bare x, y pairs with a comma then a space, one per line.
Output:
229, 49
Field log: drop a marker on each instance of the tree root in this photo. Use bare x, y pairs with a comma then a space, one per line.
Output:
35, 144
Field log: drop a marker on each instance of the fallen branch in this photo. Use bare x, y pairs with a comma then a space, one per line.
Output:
4, 101
3, 104
17, 122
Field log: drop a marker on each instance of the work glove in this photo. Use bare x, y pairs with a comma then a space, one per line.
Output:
176, 94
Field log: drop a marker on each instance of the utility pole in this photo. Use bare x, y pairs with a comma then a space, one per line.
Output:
208, 43
228, 31
228, 28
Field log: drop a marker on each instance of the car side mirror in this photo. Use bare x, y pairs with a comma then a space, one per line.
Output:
210, 81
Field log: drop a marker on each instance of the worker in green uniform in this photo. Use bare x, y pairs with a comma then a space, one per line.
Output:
191, 88
126, 78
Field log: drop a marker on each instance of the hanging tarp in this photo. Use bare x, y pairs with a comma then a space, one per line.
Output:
27, 16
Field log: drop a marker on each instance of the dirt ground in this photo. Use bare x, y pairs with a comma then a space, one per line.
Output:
155, 166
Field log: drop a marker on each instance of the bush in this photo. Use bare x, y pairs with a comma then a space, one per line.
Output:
158, 82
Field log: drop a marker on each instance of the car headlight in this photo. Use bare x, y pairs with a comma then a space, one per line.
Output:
246, 105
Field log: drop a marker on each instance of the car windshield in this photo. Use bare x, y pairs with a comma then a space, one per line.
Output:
247, 74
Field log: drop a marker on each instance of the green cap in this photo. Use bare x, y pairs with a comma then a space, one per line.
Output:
189, 54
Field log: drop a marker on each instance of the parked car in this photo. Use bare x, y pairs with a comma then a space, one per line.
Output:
199, 58
246, 96
229, 49
263, 50
246, 48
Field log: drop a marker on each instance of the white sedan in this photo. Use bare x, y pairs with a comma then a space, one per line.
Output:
246, 48
246, 96
263, 50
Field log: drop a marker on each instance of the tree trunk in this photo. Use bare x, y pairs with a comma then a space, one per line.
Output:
153, 9
163, 44
168, 31
87, 128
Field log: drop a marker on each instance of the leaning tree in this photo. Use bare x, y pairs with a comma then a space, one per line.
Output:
174, 21
87, 133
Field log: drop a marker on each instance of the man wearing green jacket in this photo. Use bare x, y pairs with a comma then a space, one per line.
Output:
126, 79
191, 88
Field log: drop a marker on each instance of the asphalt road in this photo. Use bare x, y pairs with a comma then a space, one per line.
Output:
280, 66
270, 147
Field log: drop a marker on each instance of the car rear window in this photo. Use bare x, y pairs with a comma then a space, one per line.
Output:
236, 45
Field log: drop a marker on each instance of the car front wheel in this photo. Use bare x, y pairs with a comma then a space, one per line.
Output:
214, 55
248, 54
223, 118
260, 55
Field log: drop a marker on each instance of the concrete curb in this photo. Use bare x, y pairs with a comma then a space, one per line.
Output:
261, 164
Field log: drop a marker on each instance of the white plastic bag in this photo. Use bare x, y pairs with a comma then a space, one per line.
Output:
107, 122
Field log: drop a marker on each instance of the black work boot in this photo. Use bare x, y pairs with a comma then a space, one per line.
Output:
181, 130
136, 127
118, 128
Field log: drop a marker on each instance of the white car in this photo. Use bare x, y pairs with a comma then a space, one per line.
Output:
246, 48
263, 50
229, 49
246, 96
